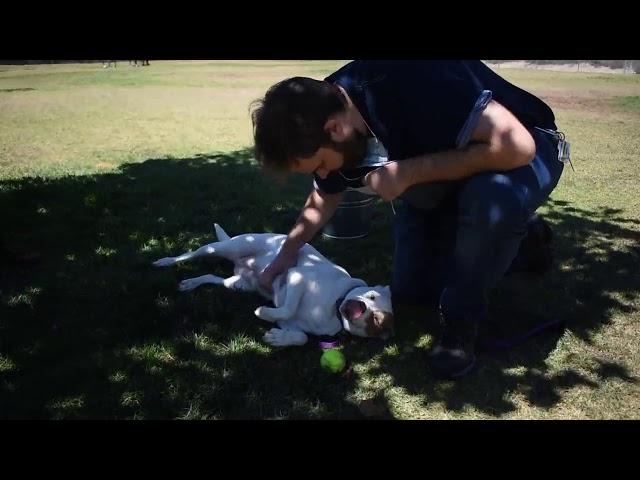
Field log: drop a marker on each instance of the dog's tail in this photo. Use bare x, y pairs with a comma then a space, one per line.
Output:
222, 235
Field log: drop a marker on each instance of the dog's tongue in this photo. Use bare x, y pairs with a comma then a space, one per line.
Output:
354, 308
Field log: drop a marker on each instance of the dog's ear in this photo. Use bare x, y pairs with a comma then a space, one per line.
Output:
384, 289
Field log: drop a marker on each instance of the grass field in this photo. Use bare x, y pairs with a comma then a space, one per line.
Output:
103, 171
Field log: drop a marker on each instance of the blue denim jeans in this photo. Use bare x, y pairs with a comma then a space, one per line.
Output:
454, 254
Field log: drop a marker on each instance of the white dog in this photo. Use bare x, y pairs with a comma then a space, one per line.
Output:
315, 296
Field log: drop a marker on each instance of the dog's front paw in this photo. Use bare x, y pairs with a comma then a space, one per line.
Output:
187, 285
261, 313
277, 337
164, 262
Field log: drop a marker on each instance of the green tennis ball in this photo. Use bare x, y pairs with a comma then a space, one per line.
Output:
333, 360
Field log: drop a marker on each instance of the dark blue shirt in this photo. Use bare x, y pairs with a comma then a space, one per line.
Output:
419, 107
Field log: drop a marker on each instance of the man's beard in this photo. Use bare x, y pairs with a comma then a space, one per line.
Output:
353, 149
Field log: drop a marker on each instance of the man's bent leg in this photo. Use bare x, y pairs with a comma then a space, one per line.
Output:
493, 209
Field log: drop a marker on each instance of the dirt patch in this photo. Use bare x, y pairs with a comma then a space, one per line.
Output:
581, 67
591, 102
105, 165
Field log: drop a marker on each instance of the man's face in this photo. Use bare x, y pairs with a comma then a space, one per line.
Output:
346, 154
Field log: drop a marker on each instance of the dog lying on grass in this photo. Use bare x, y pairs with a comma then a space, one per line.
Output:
314, 297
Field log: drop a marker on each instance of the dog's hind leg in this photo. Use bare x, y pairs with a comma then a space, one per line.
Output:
285, 338
236, 247
209, 249
233, 283
191, 283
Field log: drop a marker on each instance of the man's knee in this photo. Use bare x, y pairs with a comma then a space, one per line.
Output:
492, 201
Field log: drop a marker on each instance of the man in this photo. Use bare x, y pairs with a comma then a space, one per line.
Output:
468, 156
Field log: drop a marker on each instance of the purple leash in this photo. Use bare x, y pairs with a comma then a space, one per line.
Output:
497, 345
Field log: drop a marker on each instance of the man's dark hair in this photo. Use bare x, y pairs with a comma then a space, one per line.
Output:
288, 123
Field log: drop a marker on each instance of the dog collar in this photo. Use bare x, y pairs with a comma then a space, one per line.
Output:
327, 342
329, 345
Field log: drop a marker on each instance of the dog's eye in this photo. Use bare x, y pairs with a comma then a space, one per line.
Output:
371, 296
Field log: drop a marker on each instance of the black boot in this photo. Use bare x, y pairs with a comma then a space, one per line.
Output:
454, 354
535, 253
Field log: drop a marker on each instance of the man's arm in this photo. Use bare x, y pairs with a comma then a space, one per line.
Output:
499, 142
317, 211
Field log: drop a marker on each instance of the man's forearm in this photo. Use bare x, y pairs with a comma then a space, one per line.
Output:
499, 143
494, 148
455, 164
318, 209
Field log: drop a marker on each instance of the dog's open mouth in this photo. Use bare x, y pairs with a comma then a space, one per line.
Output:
354, 309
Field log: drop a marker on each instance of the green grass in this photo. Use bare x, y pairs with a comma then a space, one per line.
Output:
104, 171
631, 103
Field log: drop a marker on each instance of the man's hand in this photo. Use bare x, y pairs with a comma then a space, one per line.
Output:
388, 181
283, 262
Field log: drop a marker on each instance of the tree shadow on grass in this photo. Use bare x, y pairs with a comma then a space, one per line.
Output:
93, 331
596, 275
